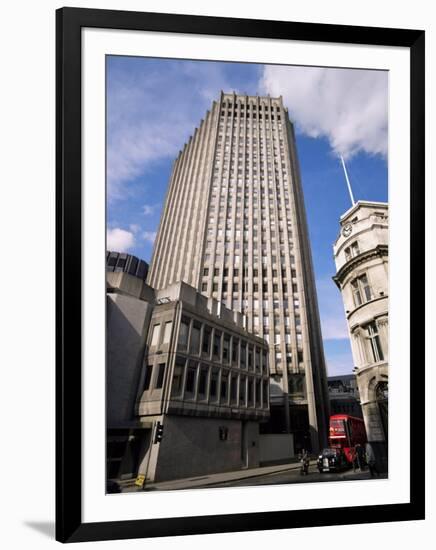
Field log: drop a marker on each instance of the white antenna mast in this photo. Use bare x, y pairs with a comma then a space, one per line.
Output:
348, 181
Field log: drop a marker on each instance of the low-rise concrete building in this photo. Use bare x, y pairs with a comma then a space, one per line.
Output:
187, 384
205, 383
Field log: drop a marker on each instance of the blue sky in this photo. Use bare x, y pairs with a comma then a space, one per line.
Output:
153, 106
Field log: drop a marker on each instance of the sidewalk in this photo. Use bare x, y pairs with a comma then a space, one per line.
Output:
214, 479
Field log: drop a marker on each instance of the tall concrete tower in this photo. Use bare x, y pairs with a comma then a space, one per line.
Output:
361, 256
234, 227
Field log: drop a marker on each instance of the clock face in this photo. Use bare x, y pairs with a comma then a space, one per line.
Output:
347, 229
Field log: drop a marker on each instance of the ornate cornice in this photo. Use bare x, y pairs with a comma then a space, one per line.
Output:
377, 252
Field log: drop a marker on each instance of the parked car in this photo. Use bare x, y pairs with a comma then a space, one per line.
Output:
332, 459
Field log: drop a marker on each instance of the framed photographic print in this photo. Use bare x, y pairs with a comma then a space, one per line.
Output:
240, 253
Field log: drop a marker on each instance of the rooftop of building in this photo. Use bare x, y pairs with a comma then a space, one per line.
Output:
363, 204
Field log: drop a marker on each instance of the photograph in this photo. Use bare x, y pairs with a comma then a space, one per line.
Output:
247, 274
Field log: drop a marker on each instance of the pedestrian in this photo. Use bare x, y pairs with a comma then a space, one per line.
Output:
353, 458
370, 460
305, 459
360, 457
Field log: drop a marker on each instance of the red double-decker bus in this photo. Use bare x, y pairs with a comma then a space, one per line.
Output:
346, 432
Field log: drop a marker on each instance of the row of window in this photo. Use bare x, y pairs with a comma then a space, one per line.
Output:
200, 382
251, 104
253, 272
224, 348
234, 288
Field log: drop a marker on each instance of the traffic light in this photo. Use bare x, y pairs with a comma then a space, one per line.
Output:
158, 434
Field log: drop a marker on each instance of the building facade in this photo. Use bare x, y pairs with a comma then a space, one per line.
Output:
206, 383
362, 276
344, 395
234, 227
120, 261
187, 384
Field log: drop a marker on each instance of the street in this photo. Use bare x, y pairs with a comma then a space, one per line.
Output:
293, 476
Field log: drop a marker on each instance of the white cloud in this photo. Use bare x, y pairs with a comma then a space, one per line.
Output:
152, 111
149, 236
134, 228
149, 209
347, 106
120, 240
333, 322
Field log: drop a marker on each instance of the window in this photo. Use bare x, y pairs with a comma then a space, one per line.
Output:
195, 338
250, 391
179, 368
352, 251
167, 332
361, 290
206, 340
258, 386
202, 381
296, 384
243, 351
214, 384
183, 333
204, 287
155, 336
264, 362
233, 389
374, 341
191, 375
217, 345
257, 359
147, 378
242, 390
226, 349
235, 354
250, 357
224, 385
160, 376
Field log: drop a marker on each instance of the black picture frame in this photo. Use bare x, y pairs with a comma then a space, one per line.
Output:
69, 22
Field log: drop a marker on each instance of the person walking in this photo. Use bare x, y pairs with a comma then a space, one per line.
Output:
360, 458
353, 458
370, 460
305, 460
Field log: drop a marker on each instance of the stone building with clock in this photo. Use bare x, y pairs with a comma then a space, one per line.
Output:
361, 257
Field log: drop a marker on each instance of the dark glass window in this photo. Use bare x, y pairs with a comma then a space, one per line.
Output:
183, 333
191, 375
226, 348
217, 345
242, 395
233, 388
147, 379
243, 352
202, 382
160, 375
206, 340
250, 357
179, 368
195, 338
224, 385
250, 391
235, 346
214, 384
257, 359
